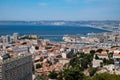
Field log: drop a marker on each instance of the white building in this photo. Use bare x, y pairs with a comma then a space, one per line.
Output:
63, 55
116, 51
64, 60
15, 37
8, 39
21, 49
109, 67
116, 56
102, 56
96, 63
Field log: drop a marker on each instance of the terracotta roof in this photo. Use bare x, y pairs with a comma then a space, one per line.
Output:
116, 54
64, 59
103, 54
39, 70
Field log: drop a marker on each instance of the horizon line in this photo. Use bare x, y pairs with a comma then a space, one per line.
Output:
61, 20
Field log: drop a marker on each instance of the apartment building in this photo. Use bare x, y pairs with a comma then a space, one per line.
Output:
17, 68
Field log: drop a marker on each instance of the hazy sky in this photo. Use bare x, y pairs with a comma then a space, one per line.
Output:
59, 9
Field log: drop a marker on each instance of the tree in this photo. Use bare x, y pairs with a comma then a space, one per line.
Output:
60, 75
107, 51
101, 64
42, 77
75, 61
110, 55
41, 59
104, 61
59, 56
38, 66
96, 56
70, 54
92, 71
84, 63
106, 76
36, 47
99, 50
110, 61
24, 43
53, 75
73, 74
92, 52
8, 55
33, 69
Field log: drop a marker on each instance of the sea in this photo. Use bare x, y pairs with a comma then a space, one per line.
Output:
51, 32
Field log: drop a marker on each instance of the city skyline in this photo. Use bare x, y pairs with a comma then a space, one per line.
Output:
59, 10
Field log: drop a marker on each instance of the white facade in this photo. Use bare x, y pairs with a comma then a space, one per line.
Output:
103, 56
64, 61
15, 36
110, 67
63, 55
116, 51
21, 49
96, 63
116, 56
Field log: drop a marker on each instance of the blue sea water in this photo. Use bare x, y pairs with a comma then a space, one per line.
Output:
47, 30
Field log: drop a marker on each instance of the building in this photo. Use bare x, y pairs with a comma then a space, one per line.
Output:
8, 39
20, 49
15, 37
97, 63
64, 60
17, 68
64, 55
103, 55
115, 56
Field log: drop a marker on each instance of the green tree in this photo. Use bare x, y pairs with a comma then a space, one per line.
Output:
8, 55
73, 74
60, 75
106, 76
38, 66
70, 54
84, 63
107, 51
74, 61
101, 64
92, 71
53, 75
104, 61
42, 77
96, 56
110, 61
99, 50
110, 55
24, 43
92, 52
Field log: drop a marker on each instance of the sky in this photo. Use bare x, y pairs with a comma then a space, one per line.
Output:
59, 10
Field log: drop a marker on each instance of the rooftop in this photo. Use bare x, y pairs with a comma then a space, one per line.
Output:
14, 58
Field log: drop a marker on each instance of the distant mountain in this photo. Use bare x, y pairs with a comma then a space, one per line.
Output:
62, 22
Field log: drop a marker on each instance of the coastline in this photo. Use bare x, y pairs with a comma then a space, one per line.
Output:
98, 27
